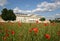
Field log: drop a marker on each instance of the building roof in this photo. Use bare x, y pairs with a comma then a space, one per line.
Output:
28, 15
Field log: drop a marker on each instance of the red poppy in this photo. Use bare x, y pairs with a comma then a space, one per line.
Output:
19, 23
53, 24
58, 33
34, 29
4, 38
37, 21
47, 36
12, 32
45, 24
7, 35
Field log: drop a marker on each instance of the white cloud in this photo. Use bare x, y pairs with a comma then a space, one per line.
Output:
3, 2
39, 10
45, 6
27, 11
58, 14
17, 10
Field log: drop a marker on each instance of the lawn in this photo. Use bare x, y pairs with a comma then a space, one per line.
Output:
29, 31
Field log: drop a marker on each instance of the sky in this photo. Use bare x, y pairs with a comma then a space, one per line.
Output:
49, 9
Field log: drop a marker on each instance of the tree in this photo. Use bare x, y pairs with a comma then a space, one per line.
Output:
8, 15
42, 19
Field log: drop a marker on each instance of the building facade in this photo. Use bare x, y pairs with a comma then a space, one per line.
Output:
27, 18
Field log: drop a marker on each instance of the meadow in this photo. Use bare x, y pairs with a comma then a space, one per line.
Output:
29, 31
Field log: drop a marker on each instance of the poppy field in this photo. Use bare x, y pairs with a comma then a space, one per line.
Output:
29, 31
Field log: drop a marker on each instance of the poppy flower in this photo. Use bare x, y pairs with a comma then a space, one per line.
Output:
45, 24
4, 38
19, 23
37, 21
7, 35
58, 33
12, 32
47, 36
34, 29
53, 24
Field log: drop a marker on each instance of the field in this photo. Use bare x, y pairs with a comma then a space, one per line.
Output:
29, 31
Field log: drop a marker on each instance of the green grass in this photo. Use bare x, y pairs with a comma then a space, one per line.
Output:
22, 32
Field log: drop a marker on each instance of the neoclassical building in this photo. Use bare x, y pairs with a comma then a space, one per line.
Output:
27, 18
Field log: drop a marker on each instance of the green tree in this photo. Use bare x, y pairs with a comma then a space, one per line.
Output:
8, 15
42, 19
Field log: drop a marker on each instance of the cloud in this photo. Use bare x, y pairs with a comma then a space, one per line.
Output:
39, 10
56, 0
58, 14
3, 2
17, 10
45, 6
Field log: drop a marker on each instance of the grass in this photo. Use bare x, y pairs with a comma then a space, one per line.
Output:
20, 32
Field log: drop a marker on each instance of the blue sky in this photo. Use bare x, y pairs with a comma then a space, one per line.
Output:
47, 8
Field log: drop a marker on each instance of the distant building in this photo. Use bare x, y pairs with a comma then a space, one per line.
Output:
57, 18
27, 18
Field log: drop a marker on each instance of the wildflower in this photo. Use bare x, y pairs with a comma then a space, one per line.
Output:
37, 21
34, 29
19, 23
58, 33
4, 38
45, 24
12, 32
47, 36
7, 35
53, 24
